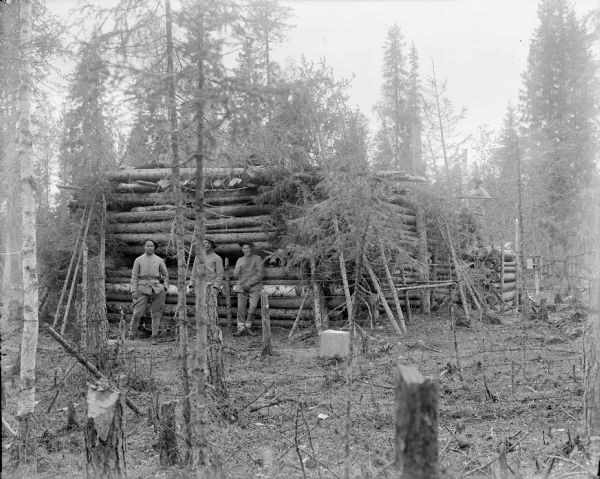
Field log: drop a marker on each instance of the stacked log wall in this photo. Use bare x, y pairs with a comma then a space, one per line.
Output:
142, 205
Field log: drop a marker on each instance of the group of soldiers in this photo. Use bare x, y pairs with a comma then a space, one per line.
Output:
150, 282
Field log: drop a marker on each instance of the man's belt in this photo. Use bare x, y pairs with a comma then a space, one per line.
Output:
148, 277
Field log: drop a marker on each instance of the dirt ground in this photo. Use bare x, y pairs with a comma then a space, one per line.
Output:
512, 408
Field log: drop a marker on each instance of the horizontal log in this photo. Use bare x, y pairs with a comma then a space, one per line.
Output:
220, 238
130, 200
509, 295
280, 302
114, 318
273, 287
211, 225
116, 306
137, 188
223, 249
271, 272
211, 213
156, 174
506, 287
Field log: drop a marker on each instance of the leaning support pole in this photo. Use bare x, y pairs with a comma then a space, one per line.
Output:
68, 277
392, 286
459, 274
266, 325
386, 306
416, 420
89, 366
74, 280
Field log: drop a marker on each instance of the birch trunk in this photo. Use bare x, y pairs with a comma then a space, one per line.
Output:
97, 324
29, 338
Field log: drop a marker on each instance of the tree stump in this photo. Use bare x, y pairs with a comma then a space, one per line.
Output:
167, 442
416, 418
104, 433
266, 325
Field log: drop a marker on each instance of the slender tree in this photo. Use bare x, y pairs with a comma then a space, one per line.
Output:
29, 339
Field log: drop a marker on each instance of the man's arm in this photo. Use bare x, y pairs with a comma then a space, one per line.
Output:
238, 268
220, 272
164, 273
135, 272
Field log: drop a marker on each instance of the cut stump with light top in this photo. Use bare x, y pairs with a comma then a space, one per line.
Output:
416, 419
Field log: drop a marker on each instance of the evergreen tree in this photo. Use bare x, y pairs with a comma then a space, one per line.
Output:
390, 141
87, 146
559, 110
414, 125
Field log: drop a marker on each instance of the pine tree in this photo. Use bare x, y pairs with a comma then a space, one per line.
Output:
559, 111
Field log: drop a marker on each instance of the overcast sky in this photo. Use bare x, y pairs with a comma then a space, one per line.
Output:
479, 46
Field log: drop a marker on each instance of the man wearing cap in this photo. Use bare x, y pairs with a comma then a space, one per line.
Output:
149, 284
214, 268
249, 271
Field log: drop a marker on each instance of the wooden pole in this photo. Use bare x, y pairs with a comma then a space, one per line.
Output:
406, 298
392, 286
344, 273
316, 296
416, 421
459, 275
227, 292
84, 299
68, 277
297, 318
502, 275
266, 325
74, 280
386, 306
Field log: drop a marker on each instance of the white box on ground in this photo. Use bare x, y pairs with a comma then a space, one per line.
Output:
335, 344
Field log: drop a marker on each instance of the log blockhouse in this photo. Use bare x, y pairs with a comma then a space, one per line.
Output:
141, 205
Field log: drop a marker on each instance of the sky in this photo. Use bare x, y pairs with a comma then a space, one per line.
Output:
479, 47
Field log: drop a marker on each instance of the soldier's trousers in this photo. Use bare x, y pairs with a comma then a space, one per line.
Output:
157, 307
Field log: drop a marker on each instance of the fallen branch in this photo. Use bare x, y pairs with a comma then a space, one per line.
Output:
274, 402
9, 428
89, 366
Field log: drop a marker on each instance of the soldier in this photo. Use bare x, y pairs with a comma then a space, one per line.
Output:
249, 272
149, 284
214, 268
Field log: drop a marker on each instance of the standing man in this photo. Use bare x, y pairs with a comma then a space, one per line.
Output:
149, 284
214, 268
249, 272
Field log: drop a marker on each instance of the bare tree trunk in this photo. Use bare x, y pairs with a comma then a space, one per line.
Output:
591, 355
97, 324
266, 325
29, 338
200, 370
316, 293
216, 367
105, 445
425, 296
169, 455
83, 301
182, 322
440, 124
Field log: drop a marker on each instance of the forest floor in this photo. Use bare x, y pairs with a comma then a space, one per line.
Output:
513, 409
